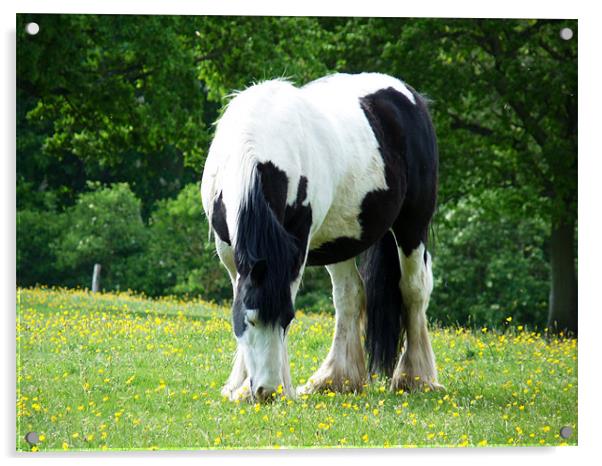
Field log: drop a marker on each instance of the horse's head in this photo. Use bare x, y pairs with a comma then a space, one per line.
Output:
262, 313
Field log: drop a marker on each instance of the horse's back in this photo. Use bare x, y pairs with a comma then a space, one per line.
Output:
376, 117
332, 138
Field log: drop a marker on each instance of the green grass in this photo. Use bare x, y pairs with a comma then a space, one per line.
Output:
113, 371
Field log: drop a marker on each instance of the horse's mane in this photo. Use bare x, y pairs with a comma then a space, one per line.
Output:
260, 236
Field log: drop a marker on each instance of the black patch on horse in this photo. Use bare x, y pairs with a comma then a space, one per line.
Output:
381, 207
295, 218
404, 131
297, 221
407, 144
218, 219
422, 166
272, 236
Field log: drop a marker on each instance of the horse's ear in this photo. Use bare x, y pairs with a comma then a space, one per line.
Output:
258, 272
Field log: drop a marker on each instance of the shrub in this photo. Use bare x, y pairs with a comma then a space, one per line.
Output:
180, 255
37, 235
489, 266
105, 227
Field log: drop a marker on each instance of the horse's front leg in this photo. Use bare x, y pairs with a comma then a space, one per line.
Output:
237, 386
344, 368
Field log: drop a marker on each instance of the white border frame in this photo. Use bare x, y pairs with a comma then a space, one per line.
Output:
589, 227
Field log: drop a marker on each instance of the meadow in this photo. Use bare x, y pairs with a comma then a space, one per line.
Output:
121, 372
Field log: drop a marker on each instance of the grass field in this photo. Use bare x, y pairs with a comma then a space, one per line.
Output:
113, 371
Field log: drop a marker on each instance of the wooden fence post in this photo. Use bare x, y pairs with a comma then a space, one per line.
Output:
96, 278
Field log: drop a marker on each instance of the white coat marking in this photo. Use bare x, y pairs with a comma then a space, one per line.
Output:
328, 140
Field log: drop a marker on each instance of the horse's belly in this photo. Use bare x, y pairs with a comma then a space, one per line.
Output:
338, 250
352, 226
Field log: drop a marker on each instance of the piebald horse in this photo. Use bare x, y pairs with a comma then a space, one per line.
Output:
344, 166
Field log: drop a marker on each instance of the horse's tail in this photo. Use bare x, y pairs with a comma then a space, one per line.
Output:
385, 311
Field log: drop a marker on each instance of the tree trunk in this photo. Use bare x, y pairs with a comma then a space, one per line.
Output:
563, 294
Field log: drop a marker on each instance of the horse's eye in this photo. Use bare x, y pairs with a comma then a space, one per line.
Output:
251, 317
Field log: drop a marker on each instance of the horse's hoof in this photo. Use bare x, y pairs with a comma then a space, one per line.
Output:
437, 387
415, 384
330, 385
306, 389
240, 393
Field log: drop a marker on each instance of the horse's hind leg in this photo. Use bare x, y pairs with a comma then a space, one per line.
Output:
237, 385
344, 368
416, 366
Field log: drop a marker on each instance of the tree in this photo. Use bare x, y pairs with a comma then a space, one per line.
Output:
108, 98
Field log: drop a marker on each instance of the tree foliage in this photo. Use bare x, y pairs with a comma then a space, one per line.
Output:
180, 252
105, 227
